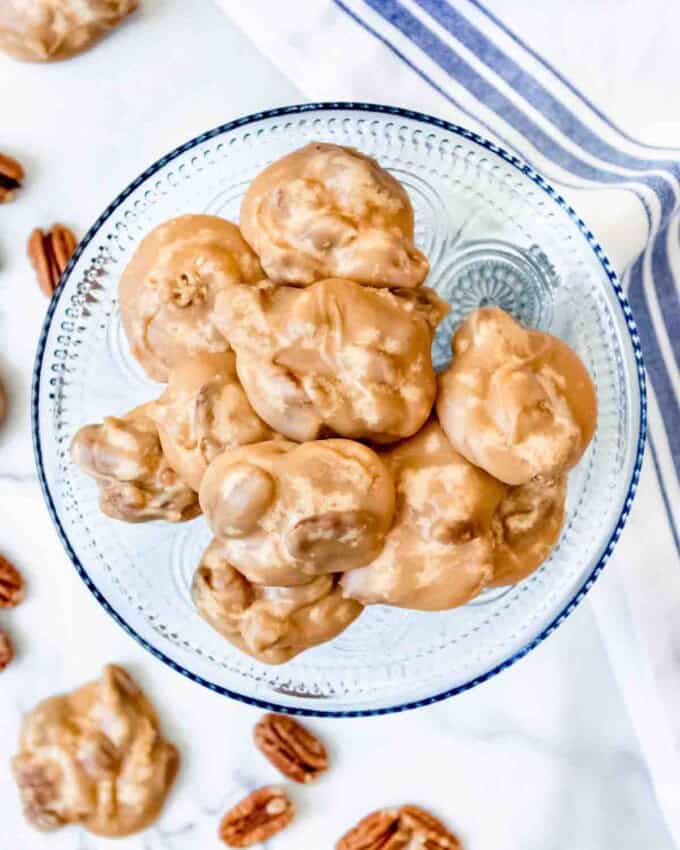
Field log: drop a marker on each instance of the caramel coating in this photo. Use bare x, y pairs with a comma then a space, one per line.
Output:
95, 757
335, 357
272, 624
457, 529
440, 551
287, 513
516, 402
330, 211
203, 411
526, 527
136, 483
167, 291
49, 30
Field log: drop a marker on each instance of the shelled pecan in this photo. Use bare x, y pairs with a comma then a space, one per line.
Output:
11, 584
257, 817
290, 747
435, 836
49, 252
11, 177
6, 649
399, 829
378, 831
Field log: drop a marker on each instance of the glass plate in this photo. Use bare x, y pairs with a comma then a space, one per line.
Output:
495, 233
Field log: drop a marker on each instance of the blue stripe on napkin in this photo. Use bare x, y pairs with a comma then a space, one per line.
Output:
450, 61
565, 82
531, 90
665, 185
660, 174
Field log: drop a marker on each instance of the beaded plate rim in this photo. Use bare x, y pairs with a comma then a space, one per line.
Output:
509, 158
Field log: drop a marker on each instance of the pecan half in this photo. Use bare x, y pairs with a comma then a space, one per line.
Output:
6, 649
49, 252
378, 831
432, 832
11, 175
257, 817
290, 747
397, 829
315, 538
11, 584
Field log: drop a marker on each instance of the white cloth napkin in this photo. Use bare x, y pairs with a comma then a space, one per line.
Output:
461, 61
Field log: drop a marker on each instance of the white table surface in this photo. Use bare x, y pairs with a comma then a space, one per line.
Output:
542, 756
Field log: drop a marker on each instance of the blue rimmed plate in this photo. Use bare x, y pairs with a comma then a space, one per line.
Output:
496, 233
